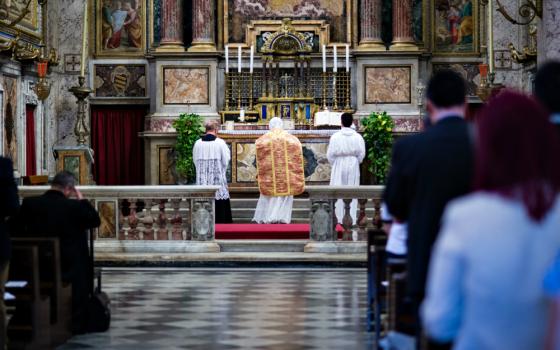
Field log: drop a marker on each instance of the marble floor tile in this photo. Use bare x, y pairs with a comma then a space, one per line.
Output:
233, 309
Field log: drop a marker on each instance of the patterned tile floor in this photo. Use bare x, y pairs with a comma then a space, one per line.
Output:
233, 309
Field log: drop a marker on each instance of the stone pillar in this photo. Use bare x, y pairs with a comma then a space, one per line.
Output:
203, 26
403, 39
370, 26
171, 27
549, 32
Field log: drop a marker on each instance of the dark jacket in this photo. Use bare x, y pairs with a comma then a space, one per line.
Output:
9, 204
428, 170
54, 215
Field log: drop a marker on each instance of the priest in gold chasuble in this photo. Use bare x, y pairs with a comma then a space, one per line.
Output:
280, 174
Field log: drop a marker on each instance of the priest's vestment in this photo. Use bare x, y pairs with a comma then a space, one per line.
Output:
211, 156
280, 174
345, 153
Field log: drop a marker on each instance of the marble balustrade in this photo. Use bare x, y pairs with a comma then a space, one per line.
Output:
322, 218
149, 212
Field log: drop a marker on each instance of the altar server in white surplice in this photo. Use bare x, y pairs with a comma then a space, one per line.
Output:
211, 157
346, 151
280, 174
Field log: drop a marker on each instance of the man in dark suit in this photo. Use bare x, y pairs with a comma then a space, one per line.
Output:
57, 214
547, 88
428, 170
9, 204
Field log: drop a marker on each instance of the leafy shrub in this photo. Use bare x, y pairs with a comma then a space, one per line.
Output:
378, 135
189, 129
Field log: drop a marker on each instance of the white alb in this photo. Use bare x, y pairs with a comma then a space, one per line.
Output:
346, 151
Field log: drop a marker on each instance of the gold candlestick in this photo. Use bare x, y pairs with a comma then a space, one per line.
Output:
324, 92
228, 91
335, 94
348, 81
251, 91
81, 92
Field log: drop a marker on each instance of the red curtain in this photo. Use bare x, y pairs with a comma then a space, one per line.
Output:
118, 149
30, 158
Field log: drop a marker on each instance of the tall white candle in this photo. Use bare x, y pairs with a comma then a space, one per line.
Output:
335, 60
347, 58
239, 59
227, 58
84, 41
251, 59
324, 58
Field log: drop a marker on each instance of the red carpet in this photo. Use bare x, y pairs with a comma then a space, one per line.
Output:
262, 231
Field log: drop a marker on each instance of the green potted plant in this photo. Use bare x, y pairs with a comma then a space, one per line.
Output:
378, 135
189, 128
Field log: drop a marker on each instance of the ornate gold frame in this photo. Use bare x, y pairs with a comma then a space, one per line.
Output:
99, 52
256, 27
30, 28
476, 32
223, 35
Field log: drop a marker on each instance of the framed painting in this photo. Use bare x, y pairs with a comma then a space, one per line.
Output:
186, 85
120, 80
246, 162
387, 84
107, 209
120, 28
26, 14
469, 71
166, 165
455, 27
238, 15
316, 165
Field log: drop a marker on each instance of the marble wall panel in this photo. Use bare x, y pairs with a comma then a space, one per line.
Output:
385, 84
167, 170
185, 85
316, 165
119, 80
246, 165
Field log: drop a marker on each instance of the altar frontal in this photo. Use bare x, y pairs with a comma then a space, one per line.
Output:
280, 164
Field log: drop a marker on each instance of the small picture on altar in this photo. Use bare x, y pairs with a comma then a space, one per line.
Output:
316, 165
120, 28
387, 84
455, 27
246, 164
72, 164
469, 71
285, 112
107, 210
186, 85
167, 170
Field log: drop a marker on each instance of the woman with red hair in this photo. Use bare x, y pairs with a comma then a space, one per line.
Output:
485, 282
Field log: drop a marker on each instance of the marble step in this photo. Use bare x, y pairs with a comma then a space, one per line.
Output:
254, 246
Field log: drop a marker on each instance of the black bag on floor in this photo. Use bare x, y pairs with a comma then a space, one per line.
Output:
99, 304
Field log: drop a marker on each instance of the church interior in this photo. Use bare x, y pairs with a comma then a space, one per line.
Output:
104, 89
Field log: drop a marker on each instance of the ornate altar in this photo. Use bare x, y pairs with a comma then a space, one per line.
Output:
286, 85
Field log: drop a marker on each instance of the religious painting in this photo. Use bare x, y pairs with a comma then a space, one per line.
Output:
316, 165
118, 80
469, 71
10, 118
72, 164
186, 85
246, 162
25, 14
167, 170
239, 13
120, 27
387, 84
455, 27
107, 210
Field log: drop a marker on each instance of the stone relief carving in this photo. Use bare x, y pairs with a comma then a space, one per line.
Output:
321, 220
202, 221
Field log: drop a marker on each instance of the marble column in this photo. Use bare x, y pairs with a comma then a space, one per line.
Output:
549, 32
403, 39
171, 27
203, 26
370, 26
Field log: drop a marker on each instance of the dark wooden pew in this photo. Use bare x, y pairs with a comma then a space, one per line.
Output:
29, 328
50, 278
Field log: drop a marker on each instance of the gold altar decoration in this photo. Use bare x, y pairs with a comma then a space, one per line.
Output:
280, 164
286, 86
530, 11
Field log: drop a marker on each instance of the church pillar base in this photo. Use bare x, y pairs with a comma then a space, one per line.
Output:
202, 47
403, 46
170, 47
371, 46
